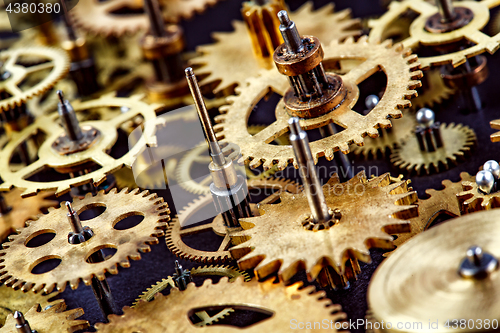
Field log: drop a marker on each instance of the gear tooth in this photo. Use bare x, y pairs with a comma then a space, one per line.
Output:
125, 263
349, 40
329, 154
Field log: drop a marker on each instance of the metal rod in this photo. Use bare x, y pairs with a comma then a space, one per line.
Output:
67, 22
73, 219
157, 26
446, 9
68, 118
312, 186
290, 33
215, 149
22, 326
103, 295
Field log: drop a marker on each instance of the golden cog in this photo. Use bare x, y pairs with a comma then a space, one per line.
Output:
495, 124
17, 260
96, 153
284, 303
231, 61
54, 319
402, 73
458, 142
370, 210
175, 232
22, 210
12, 91
434, 91
472, 200
419, 36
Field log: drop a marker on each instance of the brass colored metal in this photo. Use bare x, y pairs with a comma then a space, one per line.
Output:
434, 90
54, 319
463, 81
472, 200
56, 61
370, 210
175, 232
15, 300
17, 260
495, 124
77, 49
402, 73
230, 61
458, 142
95, 154
158, 47
159, 316
300, 63
420, 36
22, 210
463, 16
398, 290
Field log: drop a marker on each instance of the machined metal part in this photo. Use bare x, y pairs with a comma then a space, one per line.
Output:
22, 326
477, 264
182, 277
428, 132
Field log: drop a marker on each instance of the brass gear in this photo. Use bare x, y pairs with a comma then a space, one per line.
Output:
304, 305
434, 91
56, 60
175, 233
420, 36
54, 319
495, 124
22, 210
15, 300
231, 61
458, 142
472, 200
370, 210
17, 260
49, 157
401, 129
402, 74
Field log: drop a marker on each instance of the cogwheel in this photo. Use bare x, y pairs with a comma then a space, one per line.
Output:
439, 202
458, 142
401, 129
17, 260
13, 92
402, 73
420, 36
284, 303
495, 124
365, 213
22, 210
239, 62
15, 300
472, 200
54, 319
175, 232
434, 91
96, 153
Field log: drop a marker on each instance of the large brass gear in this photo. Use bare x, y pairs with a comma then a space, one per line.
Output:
22, 210
434, 91
175, 232
420, 36
367, 212
96, 153
17, 259
230, 60
54, 319
472, 200
55, 60
15, 300
458, 142
285, 303
402, 73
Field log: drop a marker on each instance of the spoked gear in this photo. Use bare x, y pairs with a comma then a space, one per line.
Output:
12, 92
49, 157
472, 200
402, 73
458, 142
420, 36
22, 210
230, 60
54, 319
365, 213
15, 300
159, 316
434, 91
175, 232
17, 260
401, 129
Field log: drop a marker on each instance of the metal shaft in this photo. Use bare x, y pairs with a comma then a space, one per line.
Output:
4, 208
310, 180
22, 326
342, 161
68, 118
103, 295
157, 26
73, 219
67, 22
446, 9
290, 33
215, 149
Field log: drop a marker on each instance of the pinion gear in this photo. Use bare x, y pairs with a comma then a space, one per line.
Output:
472, 200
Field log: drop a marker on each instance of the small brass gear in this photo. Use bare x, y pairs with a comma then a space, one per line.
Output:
13, 93
402, 73
434, 91
283, 302
54, 319
366, 213
231, 61
495, 124
22, 210
472, 200
96, 153
419, 35
458, 142
175, 232
17, 260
